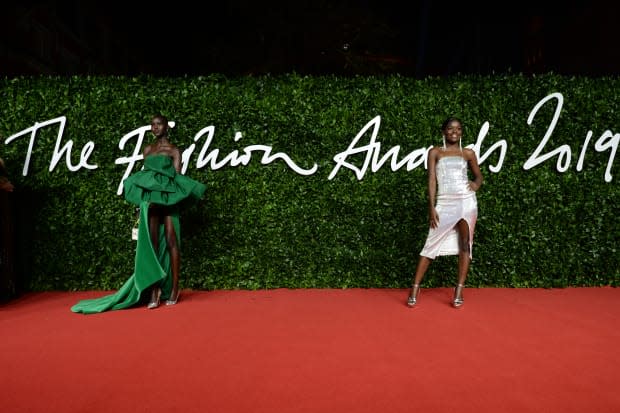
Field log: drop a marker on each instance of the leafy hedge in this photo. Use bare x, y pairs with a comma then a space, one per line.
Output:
266, 226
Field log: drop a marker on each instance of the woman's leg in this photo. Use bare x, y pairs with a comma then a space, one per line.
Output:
464, 253
175, 258
421, 269
154, 219
464, 259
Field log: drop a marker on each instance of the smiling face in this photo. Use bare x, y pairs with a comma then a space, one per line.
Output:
453, 131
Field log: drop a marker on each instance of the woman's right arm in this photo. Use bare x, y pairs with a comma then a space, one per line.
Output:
432, 187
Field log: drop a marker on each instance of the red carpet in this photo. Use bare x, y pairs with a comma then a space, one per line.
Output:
506, 350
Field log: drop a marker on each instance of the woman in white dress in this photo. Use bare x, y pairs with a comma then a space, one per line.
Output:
453, 208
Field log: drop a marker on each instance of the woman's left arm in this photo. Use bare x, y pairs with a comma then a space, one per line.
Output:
176, 159
472, 160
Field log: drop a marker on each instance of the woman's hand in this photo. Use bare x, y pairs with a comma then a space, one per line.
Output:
474, 186
433, 218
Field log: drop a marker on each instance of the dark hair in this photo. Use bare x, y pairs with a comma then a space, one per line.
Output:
451, 119
160, 116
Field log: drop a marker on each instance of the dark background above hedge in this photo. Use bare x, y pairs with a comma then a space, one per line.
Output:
310, 37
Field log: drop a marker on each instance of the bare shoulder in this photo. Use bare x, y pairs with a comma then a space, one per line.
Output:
148, 149
173, 151
469, 154
168, 147
433, 153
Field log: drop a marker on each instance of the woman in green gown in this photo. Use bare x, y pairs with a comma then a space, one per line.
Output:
157, 189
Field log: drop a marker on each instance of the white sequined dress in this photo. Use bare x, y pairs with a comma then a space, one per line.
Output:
455, 201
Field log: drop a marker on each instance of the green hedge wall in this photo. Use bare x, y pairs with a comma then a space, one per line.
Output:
266, 226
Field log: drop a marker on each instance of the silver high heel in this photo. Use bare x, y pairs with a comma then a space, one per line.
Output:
457, 301
154, 300
170, 301
413, 298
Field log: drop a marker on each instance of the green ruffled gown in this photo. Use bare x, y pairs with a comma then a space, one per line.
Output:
157, 183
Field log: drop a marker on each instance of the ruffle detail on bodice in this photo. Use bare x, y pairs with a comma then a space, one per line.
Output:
159, 183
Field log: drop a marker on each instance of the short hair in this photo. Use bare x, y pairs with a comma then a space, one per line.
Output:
451, 119
160, 116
